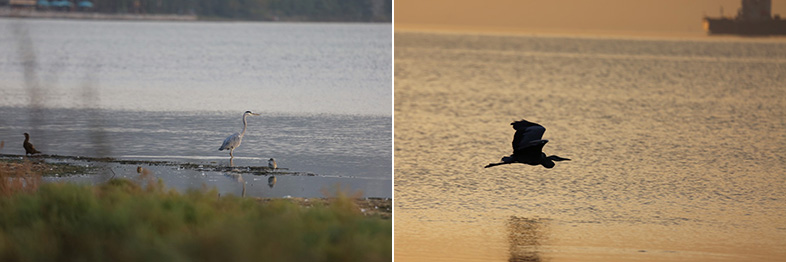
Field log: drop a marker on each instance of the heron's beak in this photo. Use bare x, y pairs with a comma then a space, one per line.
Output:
255, 114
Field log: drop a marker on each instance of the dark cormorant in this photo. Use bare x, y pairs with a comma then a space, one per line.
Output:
528, 146
29, 148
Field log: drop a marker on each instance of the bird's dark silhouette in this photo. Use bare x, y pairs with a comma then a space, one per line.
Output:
528, 146
29, 148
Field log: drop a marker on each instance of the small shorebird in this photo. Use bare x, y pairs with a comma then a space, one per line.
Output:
234, 140
272, 164
528, 146
29, 148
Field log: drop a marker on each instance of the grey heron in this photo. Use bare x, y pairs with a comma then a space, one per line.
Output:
528, 146
271, 163
234, 140
29, 148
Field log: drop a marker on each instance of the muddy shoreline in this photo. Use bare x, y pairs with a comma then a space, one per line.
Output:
92, 161
59, 166
183, 175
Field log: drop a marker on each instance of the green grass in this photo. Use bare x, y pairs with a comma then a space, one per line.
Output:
122, 221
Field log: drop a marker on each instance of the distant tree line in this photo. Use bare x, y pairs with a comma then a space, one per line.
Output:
286, 10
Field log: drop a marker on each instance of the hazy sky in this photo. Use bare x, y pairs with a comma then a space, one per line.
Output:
657, 16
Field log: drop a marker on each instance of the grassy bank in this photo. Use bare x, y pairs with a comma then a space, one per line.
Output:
123, 221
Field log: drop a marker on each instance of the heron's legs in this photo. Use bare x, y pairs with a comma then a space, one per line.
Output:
230, 153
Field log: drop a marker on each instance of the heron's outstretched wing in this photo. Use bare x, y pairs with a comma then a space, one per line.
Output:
231, 142
532, 148
527, 134
523, 124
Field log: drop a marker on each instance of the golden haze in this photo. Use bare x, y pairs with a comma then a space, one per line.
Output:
654, 16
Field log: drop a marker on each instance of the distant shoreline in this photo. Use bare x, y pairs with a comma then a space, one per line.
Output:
21, 13
6, 11
619, 34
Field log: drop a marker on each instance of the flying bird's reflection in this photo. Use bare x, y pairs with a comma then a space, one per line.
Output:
525, 236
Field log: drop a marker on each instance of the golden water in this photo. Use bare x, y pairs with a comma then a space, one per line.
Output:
678, 148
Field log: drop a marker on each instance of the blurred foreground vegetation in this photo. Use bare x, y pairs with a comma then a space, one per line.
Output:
123, 221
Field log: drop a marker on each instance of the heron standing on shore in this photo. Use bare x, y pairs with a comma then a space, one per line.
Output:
234, 140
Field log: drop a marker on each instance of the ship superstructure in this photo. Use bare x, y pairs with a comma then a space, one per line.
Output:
753, 18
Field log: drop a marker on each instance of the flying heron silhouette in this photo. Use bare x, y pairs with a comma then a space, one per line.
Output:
29, 148
528, 146
234, 140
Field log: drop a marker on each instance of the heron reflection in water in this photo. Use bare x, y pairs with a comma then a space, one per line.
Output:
238, 178
528, 146
525, 236
234, 140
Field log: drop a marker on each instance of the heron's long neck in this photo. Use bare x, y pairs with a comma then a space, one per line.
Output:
244, 125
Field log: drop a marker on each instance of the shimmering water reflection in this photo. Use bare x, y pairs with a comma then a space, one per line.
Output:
678, 149
525, 236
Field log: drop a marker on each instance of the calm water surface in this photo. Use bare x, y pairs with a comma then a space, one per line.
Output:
197, 66
173, 91
678, 148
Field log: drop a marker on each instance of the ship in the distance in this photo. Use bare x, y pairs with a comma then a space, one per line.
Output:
754, 18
